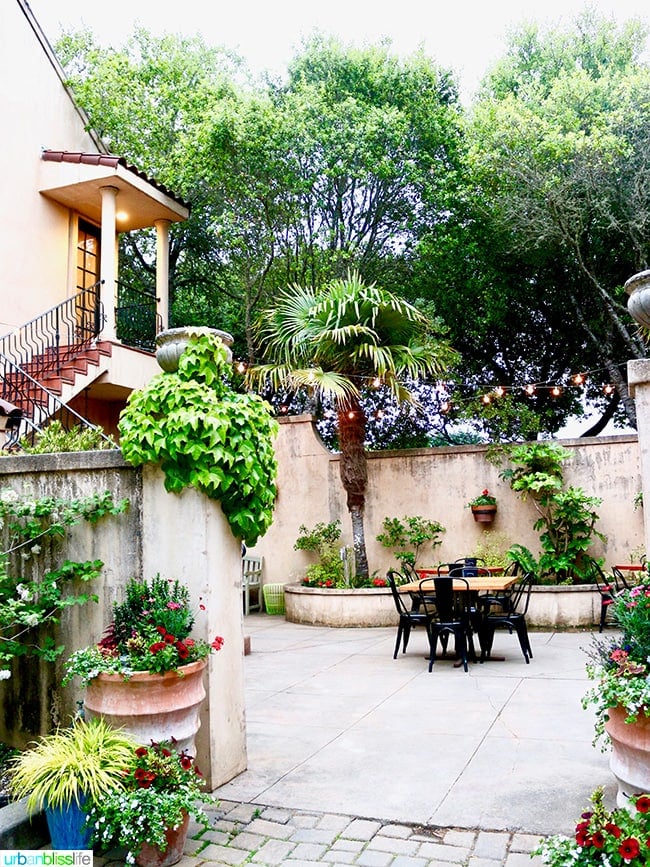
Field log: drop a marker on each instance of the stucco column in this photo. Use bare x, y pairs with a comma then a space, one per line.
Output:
638, 378
162, 272
108, 266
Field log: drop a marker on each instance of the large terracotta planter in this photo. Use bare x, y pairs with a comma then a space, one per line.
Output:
152, 856
630, 758
151, 707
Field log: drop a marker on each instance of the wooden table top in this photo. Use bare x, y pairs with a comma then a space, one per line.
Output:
476, 583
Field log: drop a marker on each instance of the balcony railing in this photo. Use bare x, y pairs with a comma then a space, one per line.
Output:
136, 317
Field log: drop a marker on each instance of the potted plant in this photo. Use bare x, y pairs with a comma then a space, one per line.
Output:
603, 837
149, 815
146, 674
483, 507
621, 694
66, 772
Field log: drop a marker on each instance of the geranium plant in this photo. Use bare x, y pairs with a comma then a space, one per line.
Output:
604, 838
619, 666
150, 632
485, 498
161, 787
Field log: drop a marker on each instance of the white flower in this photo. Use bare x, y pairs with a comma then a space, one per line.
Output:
36, 549
5, 674
32, 619
8, 496
23, 592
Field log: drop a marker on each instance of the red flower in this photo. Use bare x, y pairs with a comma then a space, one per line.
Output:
613, 829
202, 607
629, 848
169, 638
189, 642
217, 644
643, 804
161, 630
166, 752
157, 646
186, 762
183, 652
144, 778
485, 492
598, 840
140, 752
582, 834
379, 582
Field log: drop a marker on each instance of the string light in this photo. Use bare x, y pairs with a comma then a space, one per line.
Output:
445, 406
379, 413
376, 382
499, 391
351, 415
240, 367
486, 399
556, 391
608, 389
578, 379
529, 389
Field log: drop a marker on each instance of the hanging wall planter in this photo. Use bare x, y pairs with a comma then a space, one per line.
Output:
484, 514
171, 344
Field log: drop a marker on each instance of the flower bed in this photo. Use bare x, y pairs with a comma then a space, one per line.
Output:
318, 606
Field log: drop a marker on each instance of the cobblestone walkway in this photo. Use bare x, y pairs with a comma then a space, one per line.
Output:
251, 834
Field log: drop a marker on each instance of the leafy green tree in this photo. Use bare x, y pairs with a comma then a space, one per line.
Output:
332, 341
560, 151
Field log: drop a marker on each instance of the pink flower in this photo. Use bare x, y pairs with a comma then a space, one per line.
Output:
174, 606
217, 644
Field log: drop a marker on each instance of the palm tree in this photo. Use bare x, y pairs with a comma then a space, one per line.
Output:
335, 340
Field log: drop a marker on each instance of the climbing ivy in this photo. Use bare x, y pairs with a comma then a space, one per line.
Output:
203, 433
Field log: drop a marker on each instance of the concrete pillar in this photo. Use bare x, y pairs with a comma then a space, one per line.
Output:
638, 378
162, 272
108, 267
186, 536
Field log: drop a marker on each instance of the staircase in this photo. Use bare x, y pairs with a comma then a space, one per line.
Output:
49, 360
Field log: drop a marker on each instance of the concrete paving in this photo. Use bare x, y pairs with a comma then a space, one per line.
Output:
336, 725
356, 758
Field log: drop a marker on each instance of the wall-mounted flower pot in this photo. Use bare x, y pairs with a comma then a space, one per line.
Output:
171, 344
484, 514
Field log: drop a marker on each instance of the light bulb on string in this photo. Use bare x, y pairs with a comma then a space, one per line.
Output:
379, 413
240, 367
608, 389
486, 399
499, 391
529, 389
351, 414
444, 406
376, 382
556, 391
579, 379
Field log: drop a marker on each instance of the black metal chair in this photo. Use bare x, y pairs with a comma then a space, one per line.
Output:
451, 615
608, 587
408, 617
511, 616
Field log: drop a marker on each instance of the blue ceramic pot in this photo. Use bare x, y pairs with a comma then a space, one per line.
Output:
66, 827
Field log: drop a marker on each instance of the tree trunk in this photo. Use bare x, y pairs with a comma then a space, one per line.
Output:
354, 475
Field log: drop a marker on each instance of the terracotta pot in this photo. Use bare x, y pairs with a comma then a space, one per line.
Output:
630, 758
151, 707
153, 856
171, 344
484, 514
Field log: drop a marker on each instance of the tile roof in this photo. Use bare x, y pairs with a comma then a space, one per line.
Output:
110, 161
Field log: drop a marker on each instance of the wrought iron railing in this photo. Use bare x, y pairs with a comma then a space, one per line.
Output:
38, 405
43, 344
136, 318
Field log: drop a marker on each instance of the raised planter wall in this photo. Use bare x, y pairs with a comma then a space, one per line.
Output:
550, 607
328, 607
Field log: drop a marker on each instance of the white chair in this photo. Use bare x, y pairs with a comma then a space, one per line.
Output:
251, 579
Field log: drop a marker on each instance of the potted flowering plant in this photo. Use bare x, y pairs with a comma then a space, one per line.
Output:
483, 507
621, 693
603, 837
147, 670
150, 815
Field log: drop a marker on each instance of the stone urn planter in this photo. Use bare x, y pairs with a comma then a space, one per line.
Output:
630, 757
638, 304
151, 707
323, 606
171, 344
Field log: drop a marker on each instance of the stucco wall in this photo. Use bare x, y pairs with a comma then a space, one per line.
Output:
39, 114
437, 484
182, 536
